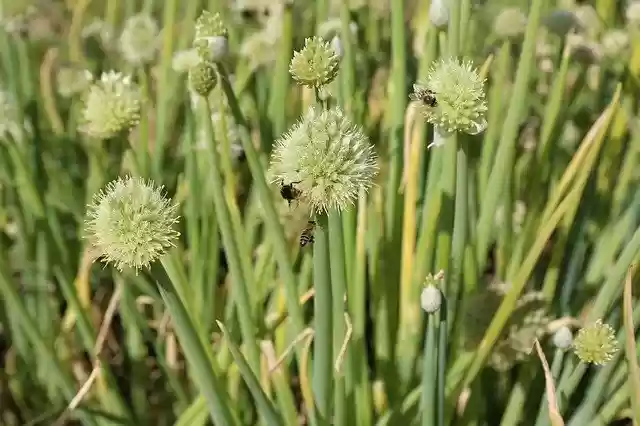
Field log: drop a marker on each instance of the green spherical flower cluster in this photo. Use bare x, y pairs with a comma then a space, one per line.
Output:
111, 106
510, 23
72, 81
139, 39
316, 65
596, 343
327, 157
131, 223
457, 102
203, 78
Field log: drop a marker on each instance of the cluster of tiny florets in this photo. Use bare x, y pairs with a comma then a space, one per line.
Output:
184, 60
510, 23
316, 65
112, 105
615, 43
71, 81
211, 38
328, 158
203, 78
596, 343
131, 223
458, 90
139, 39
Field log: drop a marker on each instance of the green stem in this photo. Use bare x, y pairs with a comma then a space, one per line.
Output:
196, 353
272, 219
240, 277
338, 292
322, 350
429, 373
398, 103
443, 332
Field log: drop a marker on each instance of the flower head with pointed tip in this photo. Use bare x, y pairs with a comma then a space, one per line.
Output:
131, 223
316, 65
112, 105
458, 90
328, 157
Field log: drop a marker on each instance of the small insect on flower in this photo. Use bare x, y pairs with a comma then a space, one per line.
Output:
306, 237
289, 192
426, 96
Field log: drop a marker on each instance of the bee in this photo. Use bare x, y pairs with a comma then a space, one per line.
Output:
289, 192
306, 237
426, 96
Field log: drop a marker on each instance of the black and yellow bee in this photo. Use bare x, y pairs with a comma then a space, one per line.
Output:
426, 96
306, 237
289, 192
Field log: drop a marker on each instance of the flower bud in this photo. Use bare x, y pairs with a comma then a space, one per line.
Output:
72, 81
452, 98
615, 43
131, 223
184, 60
560, 22
632, 14
111, 106
439, 14
431, 296
139, 39
203, 78
328, 157
316, 65
511, 23
336, 43
563, 338
596, 343
588, 20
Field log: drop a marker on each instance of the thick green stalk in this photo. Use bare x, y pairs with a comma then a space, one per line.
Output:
338, 294
241, 285
272, 219
456, 264
163, 101
199, 356
265, 407
506, 149
429, 373
398, 99
322, 306
357, 307
443, 341
280, 82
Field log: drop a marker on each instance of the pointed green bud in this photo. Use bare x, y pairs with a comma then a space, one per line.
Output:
131, 223
203, 78
452, 98
316, 65
596, 343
